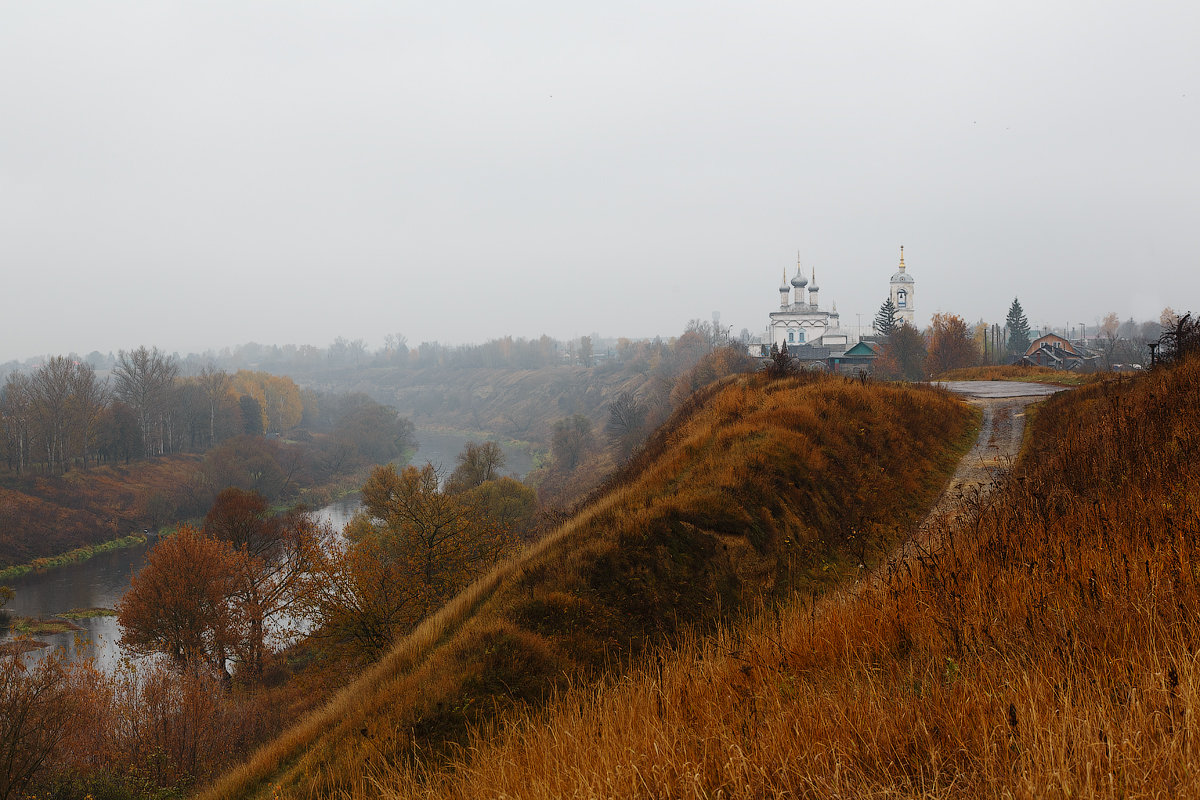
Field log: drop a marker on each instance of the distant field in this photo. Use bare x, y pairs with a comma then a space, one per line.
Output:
1031, 374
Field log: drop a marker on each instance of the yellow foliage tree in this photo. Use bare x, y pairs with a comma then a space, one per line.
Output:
278, 396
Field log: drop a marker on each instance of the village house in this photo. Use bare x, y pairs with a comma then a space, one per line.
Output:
1056, 352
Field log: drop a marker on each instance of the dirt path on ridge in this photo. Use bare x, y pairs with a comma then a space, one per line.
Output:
994, 452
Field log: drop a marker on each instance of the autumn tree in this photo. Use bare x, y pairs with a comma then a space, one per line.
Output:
278, 552
476, 464
951, 345
252, 415
243, 518
40, 708
571, 442
50, 386
1109, 325
441, 533
904, 355
713, 365
278, 398
372, 431
885, 318
183, 602
361, 594
118, 436
1018, 330
412, 547
509, 508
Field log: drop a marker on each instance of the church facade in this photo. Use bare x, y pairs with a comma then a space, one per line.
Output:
800, 318
807, 329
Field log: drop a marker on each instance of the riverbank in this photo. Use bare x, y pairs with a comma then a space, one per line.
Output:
71, 556
439, 444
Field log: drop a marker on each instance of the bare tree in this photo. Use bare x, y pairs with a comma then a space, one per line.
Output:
16, 414
89, 398
50, 388
216, 385
143, 379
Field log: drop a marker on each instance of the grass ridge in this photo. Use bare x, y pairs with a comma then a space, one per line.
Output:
754, 490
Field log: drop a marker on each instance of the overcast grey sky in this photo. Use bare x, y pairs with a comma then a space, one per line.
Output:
205, 174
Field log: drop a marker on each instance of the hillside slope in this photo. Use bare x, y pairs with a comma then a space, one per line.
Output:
42, 516
1044, 646
753, 490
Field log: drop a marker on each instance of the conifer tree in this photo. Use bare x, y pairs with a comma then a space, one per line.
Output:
885, 320
1018, 330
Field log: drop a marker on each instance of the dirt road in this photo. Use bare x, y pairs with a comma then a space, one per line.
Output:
994, 451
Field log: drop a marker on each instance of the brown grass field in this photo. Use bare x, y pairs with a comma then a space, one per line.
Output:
754, 491
1047, 648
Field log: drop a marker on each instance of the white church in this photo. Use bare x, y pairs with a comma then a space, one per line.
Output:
803, 325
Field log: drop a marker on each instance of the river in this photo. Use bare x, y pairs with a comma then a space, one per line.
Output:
101, 580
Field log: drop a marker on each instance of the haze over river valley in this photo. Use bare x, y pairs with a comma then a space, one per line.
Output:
100, 581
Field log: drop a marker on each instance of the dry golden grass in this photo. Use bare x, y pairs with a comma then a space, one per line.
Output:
752, 491
1047, 648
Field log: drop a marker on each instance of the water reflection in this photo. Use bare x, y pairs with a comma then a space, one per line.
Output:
339, 512
96, 583
100, 581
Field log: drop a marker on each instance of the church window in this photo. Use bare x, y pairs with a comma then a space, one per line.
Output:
801, 337
901, 299
791, 337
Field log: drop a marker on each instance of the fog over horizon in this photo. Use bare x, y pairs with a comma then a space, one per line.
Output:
195, 176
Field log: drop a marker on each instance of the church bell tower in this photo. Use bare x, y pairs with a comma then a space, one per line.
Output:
902, 293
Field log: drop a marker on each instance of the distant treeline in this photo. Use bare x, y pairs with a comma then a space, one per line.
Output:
66, 413
507, 352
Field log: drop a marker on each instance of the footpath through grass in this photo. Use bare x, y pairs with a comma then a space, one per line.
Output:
1047, 647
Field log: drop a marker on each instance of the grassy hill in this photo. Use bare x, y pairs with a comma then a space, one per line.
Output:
754, 491
1047, 647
